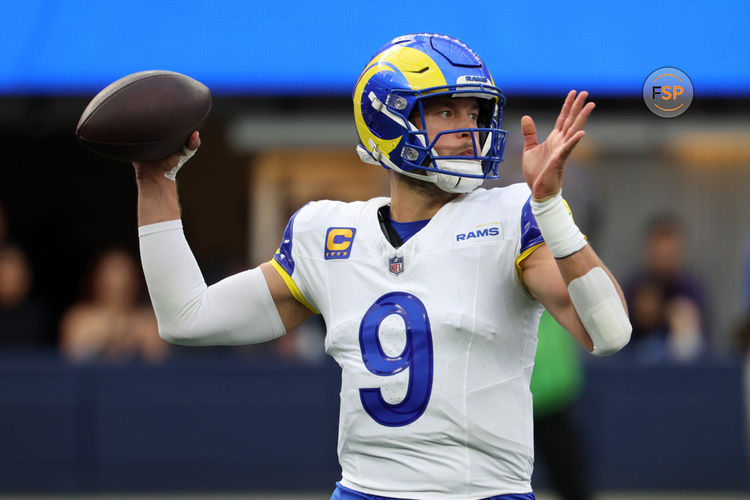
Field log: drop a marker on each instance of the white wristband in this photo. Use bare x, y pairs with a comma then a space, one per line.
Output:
560, 233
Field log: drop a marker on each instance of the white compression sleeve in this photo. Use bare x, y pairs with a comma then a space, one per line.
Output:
600, 309
237, 310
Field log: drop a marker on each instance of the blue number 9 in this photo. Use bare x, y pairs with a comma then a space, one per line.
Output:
416, 356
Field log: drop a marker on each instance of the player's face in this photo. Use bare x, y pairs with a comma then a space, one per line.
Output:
447, 113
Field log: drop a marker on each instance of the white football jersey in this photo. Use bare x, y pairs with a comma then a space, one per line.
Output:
435, 339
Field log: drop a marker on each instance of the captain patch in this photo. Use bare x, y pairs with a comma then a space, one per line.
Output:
338, 243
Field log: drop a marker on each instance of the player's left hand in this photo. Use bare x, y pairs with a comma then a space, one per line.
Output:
544, 164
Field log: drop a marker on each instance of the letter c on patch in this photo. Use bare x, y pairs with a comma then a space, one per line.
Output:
339, 242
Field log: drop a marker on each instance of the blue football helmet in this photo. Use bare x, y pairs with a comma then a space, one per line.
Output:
393, 86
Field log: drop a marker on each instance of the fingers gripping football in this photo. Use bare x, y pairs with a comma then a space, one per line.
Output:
187, 153
169, 166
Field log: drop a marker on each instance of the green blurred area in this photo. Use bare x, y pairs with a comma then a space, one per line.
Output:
558, 372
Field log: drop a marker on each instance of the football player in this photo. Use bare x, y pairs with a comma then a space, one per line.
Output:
431, 297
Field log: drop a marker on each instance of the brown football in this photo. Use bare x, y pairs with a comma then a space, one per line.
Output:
144, 116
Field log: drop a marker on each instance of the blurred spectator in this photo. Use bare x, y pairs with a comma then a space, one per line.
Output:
667, 303
556, 384
23, 319
112, 323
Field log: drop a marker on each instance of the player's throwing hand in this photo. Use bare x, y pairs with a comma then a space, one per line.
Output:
544, 164
167, 167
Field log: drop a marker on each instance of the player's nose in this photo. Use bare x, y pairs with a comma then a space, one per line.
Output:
466, 124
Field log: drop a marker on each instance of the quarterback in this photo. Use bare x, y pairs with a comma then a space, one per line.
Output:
431, 296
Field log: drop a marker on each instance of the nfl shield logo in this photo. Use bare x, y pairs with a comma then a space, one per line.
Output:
396, 265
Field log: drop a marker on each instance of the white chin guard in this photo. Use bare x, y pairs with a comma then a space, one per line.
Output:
455, 183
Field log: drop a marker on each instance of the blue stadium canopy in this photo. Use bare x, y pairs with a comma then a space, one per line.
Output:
302, 47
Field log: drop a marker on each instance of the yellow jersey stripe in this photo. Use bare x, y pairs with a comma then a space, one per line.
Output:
522, 257
292, 286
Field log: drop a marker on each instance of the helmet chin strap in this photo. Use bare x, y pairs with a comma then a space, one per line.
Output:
447, 182
455, 183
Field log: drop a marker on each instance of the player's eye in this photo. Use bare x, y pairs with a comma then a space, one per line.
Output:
446, 113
